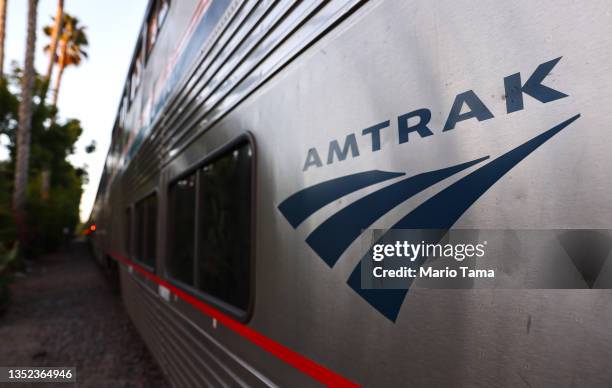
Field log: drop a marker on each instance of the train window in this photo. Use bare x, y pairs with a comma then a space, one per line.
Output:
182, 203
139, 223
152, 28
145, 230
151, 230
128, 231
157, 15
136, 76
163, 6
123, 110
224, 262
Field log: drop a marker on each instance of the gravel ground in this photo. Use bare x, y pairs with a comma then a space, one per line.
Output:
64, 313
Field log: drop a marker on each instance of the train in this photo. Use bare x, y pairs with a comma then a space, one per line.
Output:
255, 141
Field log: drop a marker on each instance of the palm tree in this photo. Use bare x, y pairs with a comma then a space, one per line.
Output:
2, 34
25, 123
54, 32
72, 42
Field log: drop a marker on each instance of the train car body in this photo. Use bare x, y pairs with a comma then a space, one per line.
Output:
235, 116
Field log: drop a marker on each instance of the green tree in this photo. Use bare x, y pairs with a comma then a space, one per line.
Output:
9, 105
50, 147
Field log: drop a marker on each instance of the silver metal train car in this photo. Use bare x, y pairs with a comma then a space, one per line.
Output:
251, 133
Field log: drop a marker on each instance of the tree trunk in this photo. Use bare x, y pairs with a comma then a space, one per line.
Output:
2, 34
60, 73
23, 133
57, 30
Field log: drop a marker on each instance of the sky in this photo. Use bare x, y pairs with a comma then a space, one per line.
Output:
91, 91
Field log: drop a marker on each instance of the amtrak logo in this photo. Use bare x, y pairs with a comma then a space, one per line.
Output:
334, 235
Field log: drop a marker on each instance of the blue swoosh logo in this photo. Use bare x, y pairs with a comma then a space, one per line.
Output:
304, 203
438, 213
334, 235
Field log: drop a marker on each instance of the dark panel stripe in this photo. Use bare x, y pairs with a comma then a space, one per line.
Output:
334, 235
304, 203
444, 209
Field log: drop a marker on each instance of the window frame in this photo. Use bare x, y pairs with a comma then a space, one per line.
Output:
239, 314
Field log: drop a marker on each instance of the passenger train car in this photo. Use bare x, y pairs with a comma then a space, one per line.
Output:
249, 151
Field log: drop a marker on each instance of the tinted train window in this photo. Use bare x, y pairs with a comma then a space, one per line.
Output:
157, 15
182, 224
128, 232
139, 221
145, 230
151, 29
164, 5
225, 227
151, 230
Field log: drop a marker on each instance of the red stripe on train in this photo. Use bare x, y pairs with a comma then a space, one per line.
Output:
298, 361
